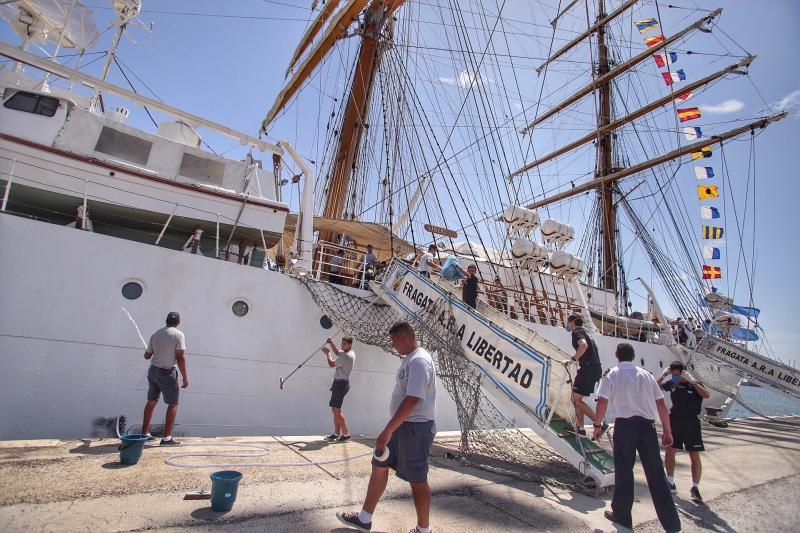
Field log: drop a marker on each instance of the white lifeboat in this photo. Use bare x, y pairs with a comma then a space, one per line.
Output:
557, 233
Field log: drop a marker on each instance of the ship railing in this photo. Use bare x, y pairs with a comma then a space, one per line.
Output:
142, 229
343, 265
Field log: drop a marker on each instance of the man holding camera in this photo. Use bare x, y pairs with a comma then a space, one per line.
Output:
687, 396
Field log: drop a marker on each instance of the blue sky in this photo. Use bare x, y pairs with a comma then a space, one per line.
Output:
230, 68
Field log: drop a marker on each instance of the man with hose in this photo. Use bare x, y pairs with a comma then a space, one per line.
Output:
407, 436
166, 355
343, 365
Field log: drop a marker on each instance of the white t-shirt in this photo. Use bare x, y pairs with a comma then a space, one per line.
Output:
425, 262
344, 364
416, 377
163, 344
631, 391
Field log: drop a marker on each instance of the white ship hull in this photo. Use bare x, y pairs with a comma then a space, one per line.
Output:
71, 360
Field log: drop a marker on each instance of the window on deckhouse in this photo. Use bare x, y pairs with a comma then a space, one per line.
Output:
32, 103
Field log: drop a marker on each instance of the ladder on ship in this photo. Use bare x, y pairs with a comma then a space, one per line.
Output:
518, 367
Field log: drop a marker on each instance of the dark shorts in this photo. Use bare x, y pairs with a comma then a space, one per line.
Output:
586, 379
425, 273
686, 434
409, 448
339, 388
163, 381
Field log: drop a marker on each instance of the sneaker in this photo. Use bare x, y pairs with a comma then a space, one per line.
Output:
150, 438
170, 442
672, 488
581, 432
332, 436
351, 520
611, 518
343, 438
694, 492
415, 530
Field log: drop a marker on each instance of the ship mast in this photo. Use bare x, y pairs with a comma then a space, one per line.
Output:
355, 118
605, 165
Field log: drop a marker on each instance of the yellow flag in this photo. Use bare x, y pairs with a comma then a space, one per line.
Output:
705, 151
707, 191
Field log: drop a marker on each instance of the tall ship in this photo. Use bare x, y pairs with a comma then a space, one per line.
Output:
586, 180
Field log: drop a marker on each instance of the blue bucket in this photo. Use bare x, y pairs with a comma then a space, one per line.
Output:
130, 449
224, 485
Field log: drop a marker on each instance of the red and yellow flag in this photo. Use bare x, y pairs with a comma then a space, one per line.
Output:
711, 272
654, 40
688, 113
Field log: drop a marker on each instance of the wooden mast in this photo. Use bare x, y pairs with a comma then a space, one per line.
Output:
605, 164
355, 118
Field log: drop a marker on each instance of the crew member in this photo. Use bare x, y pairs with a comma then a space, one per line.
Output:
426, 264
636, 400
343, 365
469, 291
408, 435
166, 352
687, 396
589, 371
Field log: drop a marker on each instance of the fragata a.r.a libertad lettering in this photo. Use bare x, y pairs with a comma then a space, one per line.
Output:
767, 370
475, 343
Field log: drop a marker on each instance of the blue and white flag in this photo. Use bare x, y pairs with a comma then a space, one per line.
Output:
702, 173
692, 133
710, 252
708, 212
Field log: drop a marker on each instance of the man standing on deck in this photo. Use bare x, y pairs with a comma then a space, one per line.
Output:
589, 372
687, 396
469, 291
166, 354
408, 435
636, 400
426, 264
341, 385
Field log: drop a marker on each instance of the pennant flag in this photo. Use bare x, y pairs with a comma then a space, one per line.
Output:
662, 60
654, 40
707, 191
683, 97
705, 151
746, 312
692, 133
712, 232
646, 25
688, 113
711, 272
709, 252
744, 334
702, 173
707, 212
751, 312
673, 77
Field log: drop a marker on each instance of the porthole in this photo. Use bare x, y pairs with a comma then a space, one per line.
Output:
240, 308
132, 290
325, 322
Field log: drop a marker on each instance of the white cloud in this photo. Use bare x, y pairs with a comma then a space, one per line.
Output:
465, 79
790, 103
728, 106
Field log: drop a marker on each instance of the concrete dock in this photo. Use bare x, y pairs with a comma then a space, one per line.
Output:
751, 477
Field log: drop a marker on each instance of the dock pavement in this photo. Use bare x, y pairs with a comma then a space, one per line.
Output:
751, 482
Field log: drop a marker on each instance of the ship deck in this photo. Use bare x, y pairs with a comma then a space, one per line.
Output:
751, 477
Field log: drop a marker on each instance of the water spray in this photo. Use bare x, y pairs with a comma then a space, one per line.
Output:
137, 328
